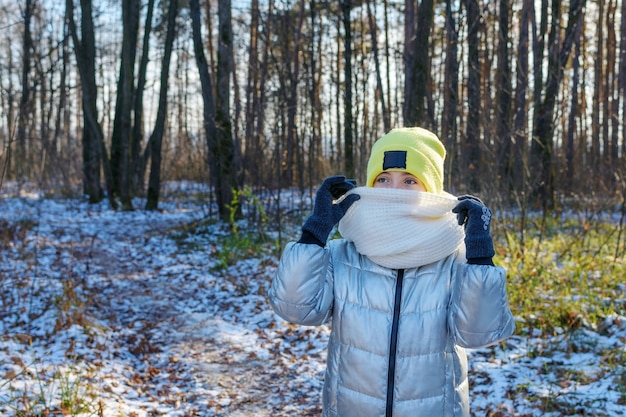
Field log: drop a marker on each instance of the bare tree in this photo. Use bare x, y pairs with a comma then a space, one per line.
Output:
612, 101
471, 144
121, 137
504, 139
346, 8
573, 116
314, 81
519, 154
449, 125
417, 71
260, 110
543, 126
622, 77
25, 112
139, 159
379, 80
226, 183
156, 139
210, 128
94, 151
252, 158
294, 64
598, 88
61, 123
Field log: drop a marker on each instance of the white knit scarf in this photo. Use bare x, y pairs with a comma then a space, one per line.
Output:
402, 229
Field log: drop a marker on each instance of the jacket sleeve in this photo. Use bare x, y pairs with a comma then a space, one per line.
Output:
302, 289
480, 313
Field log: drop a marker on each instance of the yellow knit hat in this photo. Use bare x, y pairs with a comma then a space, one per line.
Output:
411, 149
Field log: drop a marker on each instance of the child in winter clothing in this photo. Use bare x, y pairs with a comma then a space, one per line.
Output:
408, 286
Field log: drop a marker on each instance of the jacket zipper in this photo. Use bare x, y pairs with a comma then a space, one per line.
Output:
393, 344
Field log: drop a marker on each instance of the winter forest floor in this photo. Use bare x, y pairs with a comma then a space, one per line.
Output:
164, 313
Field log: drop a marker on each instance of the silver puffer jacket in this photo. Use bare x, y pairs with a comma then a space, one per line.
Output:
396, 346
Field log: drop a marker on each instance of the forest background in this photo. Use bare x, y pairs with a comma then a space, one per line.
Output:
111, 98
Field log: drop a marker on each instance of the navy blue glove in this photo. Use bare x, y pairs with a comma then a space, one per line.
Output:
476, 217
326, 213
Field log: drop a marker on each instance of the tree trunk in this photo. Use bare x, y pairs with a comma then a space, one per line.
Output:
94, 152
62, 111
346, 7
449, 125
379, 80
573, 116
316, 55
226, 182
622, 82
121, 137
416, 96
471, 149
542, 144
293, 144
612, 100
210, 129
252, 160
519, 154
138, 163
156, 139
260, 106
597, 88
25, 111
504, 159
387, 64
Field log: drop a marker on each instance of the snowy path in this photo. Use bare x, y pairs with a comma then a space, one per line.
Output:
150, 329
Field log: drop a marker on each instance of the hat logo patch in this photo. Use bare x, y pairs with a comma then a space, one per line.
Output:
394, 159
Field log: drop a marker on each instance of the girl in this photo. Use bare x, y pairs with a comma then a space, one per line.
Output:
407, 288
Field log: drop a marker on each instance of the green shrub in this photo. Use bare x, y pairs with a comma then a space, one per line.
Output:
563, 273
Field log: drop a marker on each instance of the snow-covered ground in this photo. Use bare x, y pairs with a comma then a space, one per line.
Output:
136, 314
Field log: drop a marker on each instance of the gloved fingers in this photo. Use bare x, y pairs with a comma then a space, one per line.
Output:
337, 190
471, 197
461, 217
340, 209
323, 197
462, 211
335, 179
469, 207
347, 202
